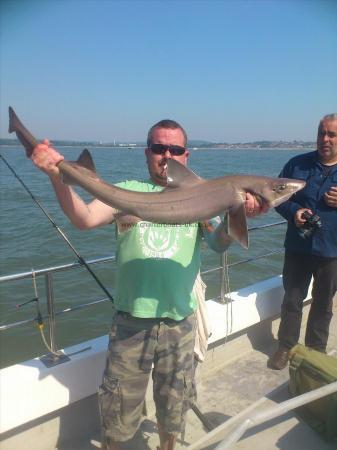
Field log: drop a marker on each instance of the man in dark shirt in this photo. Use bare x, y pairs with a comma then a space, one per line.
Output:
313, 253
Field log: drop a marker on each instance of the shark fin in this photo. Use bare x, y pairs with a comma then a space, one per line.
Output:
85, 160
85, 164
179, 175
237, 225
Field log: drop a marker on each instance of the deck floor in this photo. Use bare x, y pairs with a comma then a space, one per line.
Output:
225, 390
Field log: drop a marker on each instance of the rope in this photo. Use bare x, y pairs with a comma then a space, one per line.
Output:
39, 319
225, 290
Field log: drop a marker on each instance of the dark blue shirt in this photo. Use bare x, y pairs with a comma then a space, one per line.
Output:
319, 179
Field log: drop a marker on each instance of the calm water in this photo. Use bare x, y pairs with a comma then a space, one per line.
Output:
28, 241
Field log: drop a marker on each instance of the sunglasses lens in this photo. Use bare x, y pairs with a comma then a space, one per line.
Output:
177, 150
160, 149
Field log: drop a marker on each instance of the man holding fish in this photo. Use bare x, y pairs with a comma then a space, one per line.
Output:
160, 223
154, 324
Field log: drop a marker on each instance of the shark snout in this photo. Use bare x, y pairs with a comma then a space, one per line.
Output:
285, 190
297, 185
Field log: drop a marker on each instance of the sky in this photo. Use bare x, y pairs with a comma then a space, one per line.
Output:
228, 71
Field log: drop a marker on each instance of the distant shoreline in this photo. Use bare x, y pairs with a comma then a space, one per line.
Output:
106, 147
266, 145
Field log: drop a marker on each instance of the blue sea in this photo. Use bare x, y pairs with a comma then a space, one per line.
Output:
29, 241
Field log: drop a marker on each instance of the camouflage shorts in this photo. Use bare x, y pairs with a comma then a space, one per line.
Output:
135, 344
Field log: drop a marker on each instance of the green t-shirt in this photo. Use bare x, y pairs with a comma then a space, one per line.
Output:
156, 265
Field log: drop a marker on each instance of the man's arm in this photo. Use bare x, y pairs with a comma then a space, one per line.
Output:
214, 232
82, 215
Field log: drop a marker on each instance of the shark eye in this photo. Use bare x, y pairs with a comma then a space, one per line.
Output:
279, 188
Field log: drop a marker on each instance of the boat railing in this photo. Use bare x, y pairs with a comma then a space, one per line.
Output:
272, 412
48, 273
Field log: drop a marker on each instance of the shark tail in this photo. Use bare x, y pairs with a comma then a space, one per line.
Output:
24, 136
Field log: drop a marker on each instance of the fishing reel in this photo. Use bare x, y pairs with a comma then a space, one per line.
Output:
311, 225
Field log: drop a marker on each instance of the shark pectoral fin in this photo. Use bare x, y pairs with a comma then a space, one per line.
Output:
179, 175
237, 226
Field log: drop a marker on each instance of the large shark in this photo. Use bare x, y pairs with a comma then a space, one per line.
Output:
187, 198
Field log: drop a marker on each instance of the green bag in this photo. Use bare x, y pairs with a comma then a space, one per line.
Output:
308, 370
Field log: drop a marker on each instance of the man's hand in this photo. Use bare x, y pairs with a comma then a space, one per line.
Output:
298, 219
254, 205
330, 197
46, 158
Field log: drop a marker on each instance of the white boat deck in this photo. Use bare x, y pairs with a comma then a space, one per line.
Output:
233, 381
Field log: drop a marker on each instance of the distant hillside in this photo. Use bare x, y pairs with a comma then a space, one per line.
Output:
191, 144
267, 144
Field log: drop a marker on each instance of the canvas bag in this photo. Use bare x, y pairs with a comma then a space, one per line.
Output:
308, 370
203, 329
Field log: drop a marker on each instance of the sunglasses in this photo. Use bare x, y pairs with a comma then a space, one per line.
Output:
160, 149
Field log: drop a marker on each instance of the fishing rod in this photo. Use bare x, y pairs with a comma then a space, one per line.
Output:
81, 260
